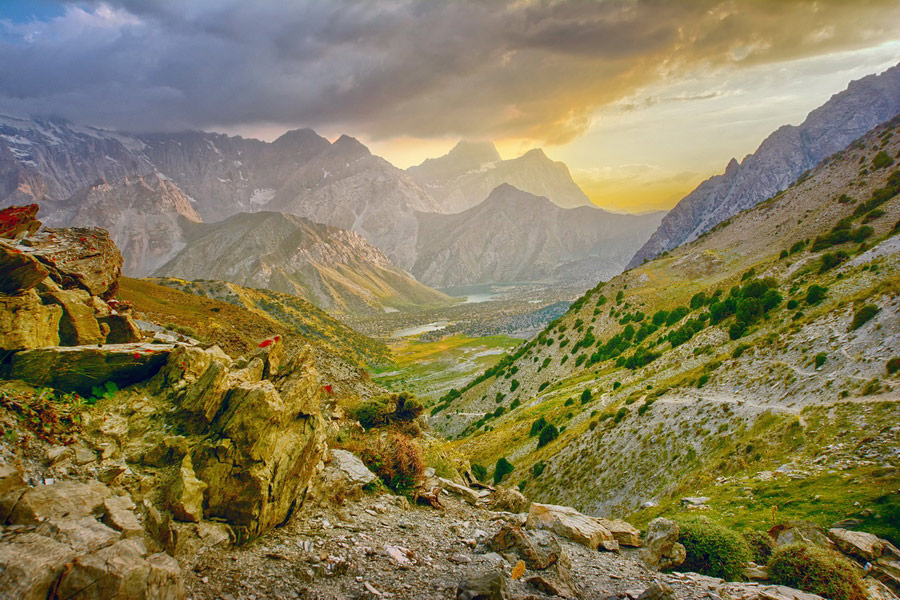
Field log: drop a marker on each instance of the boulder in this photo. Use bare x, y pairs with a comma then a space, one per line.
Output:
792, 532
19, 272
625, 533
887, 571
18, 221
123, 570
77, 325
185, 495
118, 513
858, 544
10, 479
27, 323
468, 494
536, 555
30, 564
78, 257
82, 533
661, 548
63, 499
658, 590
490, 585
345, 475
571, 524
509, 500
261, 438
80, 368
121, 329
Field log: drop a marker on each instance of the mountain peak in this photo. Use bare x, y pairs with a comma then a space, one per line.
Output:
349, 144
535, 153
476, 152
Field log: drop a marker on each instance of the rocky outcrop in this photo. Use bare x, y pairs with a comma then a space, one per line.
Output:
466, 175
78, 540
778, 162
571, 524
80, 257
529, 239
255, 435
332, 268
661, 548
80, 368
18, 221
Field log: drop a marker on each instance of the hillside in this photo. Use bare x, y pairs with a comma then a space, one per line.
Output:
516, 236
334, 269
781, 158
658, 390
463, 178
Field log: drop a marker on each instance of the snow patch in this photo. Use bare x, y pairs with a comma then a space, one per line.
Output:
262, 196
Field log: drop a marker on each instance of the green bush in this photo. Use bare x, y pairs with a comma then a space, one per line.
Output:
586, 396
538, 468
547, 435
620, 415
816, 571
537, 426
820, 359
882, 160
713, 550
388, 409
815, 294
502, 469
863, 315
761, 546
479, 471
893, 365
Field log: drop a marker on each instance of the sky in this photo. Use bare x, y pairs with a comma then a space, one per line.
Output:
642, 99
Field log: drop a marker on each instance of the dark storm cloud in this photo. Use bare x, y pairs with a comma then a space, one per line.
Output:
392, 67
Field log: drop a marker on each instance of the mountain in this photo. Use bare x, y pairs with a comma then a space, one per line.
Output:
753, 368
779, 161
143, 214
516, 236
465, 176
334, 269
348, 187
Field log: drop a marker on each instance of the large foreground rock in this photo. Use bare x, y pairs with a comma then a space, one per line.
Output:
255, 434
18, 221
857, 543
80, 368
19, 271
571, 524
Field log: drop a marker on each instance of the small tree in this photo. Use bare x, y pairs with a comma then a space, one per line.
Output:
502, 469
547, 435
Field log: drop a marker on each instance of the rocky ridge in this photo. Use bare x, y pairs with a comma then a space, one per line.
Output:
778, 162
529, 239
465, 176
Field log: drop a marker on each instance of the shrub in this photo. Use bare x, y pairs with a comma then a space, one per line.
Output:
502, 469
816, 571
620, 415
761, 546
396, 458
479, 471
617, 385
537, 426
893, 365
882, 160
703, 380
547, 435
815, 294
792, 304
388, 409
739, 350
737, 330
513, 385
713, 550
863, 315
538, 468
586, 396
820, 359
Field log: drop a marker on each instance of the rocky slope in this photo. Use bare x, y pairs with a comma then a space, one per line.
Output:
727, 368
517, 236
143, 214
466, 175
348, 187
332, 268
779, 161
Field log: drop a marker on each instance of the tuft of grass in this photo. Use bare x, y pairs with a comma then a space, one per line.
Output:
817, 571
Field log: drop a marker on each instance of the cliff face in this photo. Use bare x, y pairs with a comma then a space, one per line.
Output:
517, 236
780, 160
465, 176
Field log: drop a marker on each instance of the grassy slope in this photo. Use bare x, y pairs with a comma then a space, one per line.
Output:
237, 318
683, 440
430, 369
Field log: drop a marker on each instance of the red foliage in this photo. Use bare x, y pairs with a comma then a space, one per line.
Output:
18, 218
265, 343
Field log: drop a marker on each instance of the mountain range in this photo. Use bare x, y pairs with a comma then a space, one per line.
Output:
779, 161
498, 241
465, 176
